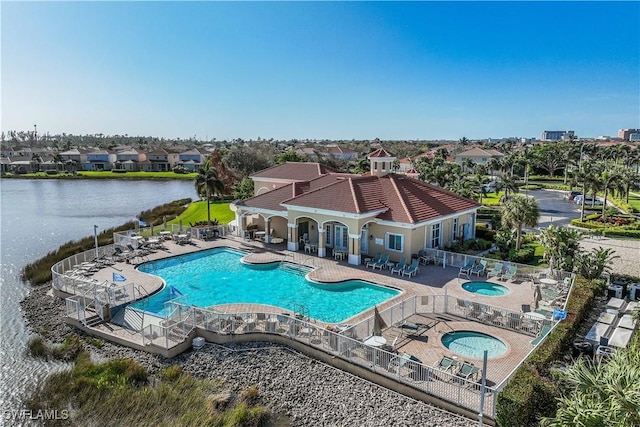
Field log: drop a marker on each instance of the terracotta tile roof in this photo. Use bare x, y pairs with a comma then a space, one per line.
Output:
403, 199
380, 152
273, 199
294, 171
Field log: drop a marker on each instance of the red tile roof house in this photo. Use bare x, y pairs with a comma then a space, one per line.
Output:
359, 215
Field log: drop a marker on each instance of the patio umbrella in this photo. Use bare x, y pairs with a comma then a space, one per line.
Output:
180, 226
378, 322
537, 296
164, 222
444, 260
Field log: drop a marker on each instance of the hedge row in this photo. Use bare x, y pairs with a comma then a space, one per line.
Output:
531, 393
606, 230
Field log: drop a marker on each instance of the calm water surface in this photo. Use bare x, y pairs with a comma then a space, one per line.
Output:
36, 217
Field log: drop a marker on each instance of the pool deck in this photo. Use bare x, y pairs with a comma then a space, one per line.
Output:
430, 280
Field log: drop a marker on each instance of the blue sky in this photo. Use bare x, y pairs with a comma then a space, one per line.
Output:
339, 70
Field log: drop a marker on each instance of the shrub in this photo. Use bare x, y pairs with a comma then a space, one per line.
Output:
38, 348
531, 392
118, 171
51, 172
524, 255
482, 232
171, 373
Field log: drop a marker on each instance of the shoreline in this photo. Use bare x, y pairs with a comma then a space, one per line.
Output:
308, 392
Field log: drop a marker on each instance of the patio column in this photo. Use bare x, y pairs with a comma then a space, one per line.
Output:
322, 250
267, 236
239, 225
354, 249
292, 237
242, 225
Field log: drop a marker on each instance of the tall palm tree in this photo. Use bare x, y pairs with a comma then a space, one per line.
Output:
208, 184
57, 158
609, 181
518, 212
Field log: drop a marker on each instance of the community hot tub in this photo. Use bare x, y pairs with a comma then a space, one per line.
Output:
473, 344
487, 289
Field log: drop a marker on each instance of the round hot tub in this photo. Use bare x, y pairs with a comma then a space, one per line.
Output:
473, 344
487, 289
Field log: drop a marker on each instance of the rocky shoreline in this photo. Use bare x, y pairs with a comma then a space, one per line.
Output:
308, 392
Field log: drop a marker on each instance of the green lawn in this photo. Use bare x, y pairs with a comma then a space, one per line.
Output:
492, 199
197, 211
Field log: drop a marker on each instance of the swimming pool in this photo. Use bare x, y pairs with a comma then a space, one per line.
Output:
473, 344
217, 276
487, 289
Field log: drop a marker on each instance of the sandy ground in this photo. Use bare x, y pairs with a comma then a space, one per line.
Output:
627, 250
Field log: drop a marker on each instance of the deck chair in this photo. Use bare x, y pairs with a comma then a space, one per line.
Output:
466, 269
468, 371
374, 260
496, 270
479, 268
510, 273
446, 364
381, 262
399, 267
423, 257
412, 270
543, 333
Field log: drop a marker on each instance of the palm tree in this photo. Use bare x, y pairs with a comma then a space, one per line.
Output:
600, 394
518, 212
560, 246
609, 180
208, 184
592, 264
57, 158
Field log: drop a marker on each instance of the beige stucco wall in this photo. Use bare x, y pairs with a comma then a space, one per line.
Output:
261, 187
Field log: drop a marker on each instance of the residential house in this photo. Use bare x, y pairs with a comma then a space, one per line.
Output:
479, 156
354, 214
99, 160
129, 160
340, 153
192, 159
161, 160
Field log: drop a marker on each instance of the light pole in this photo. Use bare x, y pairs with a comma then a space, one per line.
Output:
95, 238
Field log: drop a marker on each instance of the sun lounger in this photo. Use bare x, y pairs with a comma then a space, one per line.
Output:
446, 364
399, 267
510, 273
374, 260
496, 270
381, 262
412, 270
466, 269
479, 268
543, 333
468, 371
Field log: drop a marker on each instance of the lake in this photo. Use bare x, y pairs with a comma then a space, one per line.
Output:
37, 216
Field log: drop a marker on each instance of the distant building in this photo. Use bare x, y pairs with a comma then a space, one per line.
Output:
634, 136
478, 155
557, 135
626, 133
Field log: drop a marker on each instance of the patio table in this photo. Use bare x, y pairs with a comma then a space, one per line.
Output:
375, 341
549, 282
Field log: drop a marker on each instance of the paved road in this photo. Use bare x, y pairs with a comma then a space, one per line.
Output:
554, 208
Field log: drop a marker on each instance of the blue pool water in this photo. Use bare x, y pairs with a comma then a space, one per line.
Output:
473, 344
487, 289
217, 276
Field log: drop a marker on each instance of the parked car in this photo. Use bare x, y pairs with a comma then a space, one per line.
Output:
572, 194
588, 201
